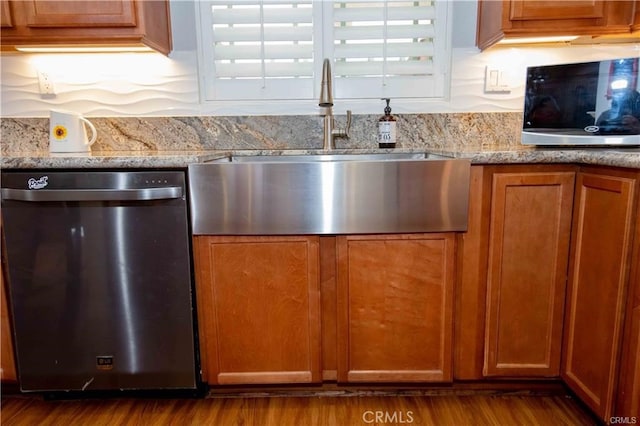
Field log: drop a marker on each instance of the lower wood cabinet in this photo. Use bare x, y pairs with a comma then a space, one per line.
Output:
530, 228
395, 307
628, 398
605, 209
7, 360
258, 309
548, 285
511, 275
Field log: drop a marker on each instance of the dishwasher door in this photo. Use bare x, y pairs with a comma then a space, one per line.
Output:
99, 275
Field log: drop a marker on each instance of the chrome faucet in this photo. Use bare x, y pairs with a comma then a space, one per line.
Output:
326, 101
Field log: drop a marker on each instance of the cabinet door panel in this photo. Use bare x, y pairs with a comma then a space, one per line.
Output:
528, 256
258, 301
395, 307
528, 10
629, 396
7, 359
628, 399
6, 20
121, 24
47, 13
598, 274
508, 19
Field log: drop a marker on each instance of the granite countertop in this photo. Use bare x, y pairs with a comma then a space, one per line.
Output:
619, 157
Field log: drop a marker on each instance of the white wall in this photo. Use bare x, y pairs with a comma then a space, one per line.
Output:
138, 84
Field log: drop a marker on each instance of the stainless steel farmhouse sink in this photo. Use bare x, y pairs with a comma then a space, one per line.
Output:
329, 194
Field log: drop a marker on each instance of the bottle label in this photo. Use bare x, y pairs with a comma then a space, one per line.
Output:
387, 132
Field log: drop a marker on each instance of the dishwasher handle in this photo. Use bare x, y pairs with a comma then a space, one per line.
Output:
140, 194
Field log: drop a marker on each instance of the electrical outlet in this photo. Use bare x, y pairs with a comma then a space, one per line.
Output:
46, 83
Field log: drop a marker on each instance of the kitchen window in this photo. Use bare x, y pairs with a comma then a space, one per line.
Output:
273, 50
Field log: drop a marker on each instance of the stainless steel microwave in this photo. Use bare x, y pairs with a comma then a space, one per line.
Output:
591, 103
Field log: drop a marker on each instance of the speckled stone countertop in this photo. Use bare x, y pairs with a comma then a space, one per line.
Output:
617, 157
108, 160
176, 142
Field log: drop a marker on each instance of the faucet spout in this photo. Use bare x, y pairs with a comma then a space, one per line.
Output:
326, 92
326, 101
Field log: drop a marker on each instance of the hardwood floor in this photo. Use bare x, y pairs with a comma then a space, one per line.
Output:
442, 410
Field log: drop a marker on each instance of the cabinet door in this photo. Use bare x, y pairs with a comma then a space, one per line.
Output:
99, 23
532, 18
395, 306
628, 400
528, 255
527, 10
258, 309
6, 20
7, 359
63, 14
600, 254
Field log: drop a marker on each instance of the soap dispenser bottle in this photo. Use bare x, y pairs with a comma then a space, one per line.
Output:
387, 128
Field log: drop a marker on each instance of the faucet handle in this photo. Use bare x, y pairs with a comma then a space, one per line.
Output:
346, 130
344, 134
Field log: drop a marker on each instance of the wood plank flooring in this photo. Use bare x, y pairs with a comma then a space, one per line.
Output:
441, 410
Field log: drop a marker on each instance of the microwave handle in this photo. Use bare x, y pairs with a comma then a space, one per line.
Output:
141, 194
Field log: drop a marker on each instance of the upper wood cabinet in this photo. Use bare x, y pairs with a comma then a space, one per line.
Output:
528, 254
605, 207
114, 23
395, 307
529, 18
6, 19
258, 304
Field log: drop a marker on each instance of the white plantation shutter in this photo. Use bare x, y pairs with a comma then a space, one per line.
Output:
388, 48
259, 49
273, 49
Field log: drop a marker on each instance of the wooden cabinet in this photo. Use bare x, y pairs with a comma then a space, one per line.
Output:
511, 274
547, 284
395, 307
635, 25
528, 253
6, 19
471, 279
86, 23
604, 209
258, 309
7, 361
628, 399
526, 18
329, 308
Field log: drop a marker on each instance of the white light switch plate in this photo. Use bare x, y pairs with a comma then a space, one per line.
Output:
495, 80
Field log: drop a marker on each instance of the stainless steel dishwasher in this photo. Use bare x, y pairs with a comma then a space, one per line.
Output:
100, 280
